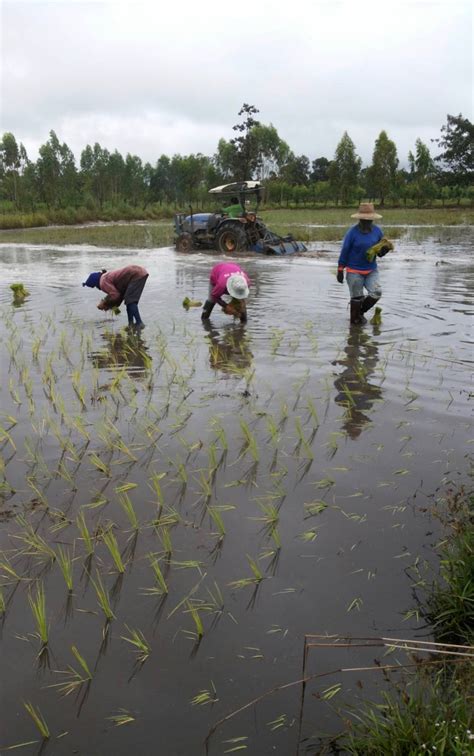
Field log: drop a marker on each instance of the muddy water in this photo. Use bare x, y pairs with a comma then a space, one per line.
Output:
342, 435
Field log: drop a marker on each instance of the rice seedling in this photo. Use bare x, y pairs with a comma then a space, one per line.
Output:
257, 576
156, 487
275, 724
38, 609
75, 679
250, 442
99, 464
127, 506
204, 697
308, 536
302, 442
216, 517
160, 586
138, 640
165, 537
65, 562
123, 717
111, 542
314, 508
35, 544
2, 601
193, 610
103, 597
38, 719
85, 534
356, 603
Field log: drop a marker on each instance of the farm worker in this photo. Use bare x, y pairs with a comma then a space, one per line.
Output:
122, 285
234, 209
361, 270
227, 278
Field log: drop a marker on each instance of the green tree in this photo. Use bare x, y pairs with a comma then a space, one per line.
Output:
457, 143
422, 173
296, 170
95, 172
270, 151
344, 170
56, 173
382, 173
320, 169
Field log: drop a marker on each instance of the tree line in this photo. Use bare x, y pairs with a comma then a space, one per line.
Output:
107, 179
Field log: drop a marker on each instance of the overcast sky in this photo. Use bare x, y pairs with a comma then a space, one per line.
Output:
170, 77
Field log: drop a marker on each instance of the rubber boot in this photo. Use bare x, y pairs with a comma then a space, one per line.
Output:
134, 315
367, 303
357, 317
207, 309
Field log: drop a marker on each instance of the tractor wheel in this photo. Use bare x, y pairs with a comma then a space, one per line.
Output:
230, 239
184, 243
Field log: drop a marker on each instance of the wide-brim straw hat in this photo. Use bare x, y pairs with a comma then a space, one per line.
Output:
237, 286
366, 212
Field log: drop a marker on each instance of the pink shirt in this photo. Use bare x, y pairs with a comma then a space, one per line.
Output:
115, 282
219, 275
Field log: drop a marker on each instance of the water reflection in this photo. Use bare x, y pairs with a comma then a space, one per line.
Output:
125, 349
229, 349
355, 394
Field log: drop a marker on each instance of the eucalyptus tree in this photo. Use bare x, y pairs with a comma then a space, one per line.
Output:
422, 172
344, 170
57, 174
382, 174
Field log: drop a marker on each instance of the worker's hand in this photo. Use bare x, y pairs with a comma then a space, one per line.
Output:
340, 276
102, 305
384, 251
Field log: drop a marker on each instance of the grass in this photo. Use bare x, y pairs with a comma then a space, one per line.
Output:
429, 713
161, 233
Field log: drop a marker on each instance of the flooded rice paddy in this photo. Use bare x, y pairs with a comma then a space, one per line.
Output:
180, 507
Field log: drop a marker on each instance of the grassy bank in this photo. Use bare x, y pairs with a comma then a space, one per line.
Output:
431, 709
306, 225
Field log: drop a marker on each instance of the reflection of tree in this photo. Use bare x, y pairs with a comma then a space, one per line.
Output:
229, 349
125, 349
355, 393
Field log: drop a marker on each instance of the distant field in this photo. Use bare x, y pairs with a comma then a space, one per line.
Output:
307, 225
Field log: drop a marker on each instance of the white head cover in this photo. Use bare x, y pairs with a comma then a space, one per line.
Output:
237, 286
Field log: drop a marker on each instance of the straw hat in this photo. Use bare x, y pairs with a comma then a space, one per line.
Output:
237, 286
366, 212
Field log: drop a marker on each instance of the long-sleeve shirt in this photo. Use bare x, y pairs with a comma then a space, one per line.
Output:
115, 282
354, 248
219, 275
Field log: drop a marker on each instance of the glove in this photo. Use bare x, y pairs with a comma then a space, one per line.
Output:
384, 250
340, 276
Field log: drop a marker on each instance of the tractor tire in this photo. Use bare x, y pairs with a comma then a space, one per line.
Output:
230, 239
184, 243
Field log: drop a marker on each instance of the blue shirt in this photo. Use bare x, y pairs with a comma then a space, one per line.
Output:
354, 248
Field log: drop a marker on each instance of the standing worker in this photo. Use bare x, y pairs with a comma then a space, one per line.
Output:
362, 244
227, 278
122, 285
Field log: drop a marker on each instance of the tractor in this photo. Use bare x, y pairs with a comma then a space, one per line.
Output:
234, 229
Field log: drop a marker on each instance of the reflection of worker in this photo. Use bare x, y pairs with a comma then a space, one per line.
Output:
227, 278
360, 272
122, 285
124, 349
355, 393
234, 209
229, 349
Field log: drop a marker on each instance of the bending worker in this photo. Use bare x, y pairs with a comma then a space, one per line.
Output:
227, 278
122, 285
360, 264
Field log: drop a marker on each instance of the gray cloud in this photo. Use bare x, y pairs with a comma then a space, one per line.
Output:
149, 78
